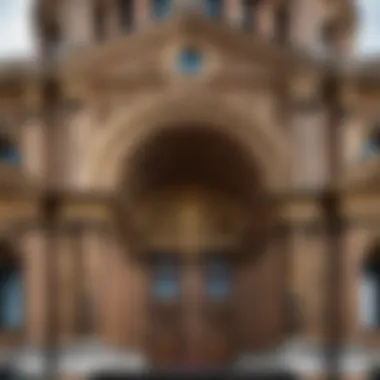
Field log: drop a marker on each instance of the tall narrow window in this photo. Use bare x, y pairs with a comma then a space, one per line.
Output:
165, 279
10, 298
11, 295
218, 278
161, 9
100, 21
214, 8
126, 13
9, 152
369, 305
249, 14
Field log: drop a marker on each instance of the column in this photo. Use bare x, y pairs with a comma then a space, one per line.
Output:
233, 12
32, 151
117, 292
309, 135
96, 278
265, 19
77, 20
68, 290
138, 304
306, 23
33, 245
142, 13
309, 268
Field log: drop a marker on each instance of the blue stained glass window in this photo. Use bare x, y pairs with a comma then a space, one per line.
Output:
189, 61
165, 279
218, 286
11, 302
161, 8
214, 8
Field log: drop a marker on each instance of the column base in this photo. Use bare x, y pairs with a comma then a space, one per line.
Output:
81, 359
304, 360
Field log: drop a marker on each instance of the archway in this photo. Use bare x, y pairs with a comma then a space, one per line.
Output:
198, 203
110, 149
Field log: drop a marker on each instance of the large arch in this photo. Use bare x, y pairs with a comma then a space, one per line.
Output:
111, 148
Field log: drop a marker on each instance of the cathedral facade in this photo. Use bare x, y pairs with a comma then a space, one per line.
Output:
185, 117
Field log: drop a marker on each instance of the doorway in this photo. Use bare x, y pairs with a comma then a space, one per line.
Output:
190, 302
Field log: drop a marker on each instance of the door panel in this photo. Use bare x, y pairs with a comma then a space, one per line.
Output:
191, 326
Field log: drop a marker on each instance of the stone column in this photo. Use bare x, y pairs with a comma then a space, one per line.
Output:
32, 151
77, 19
142, 13
265, 19
309, 268
306, 22
138, 304
33, 245
233, 12
117, 292
355, 249
68, 290
309, 136
96, 279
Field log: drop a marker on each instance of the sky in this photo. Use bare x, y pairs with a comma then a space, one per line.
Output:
16, 28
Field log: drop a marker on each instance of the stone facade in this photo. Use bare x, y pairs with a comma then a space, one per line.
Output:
191, 162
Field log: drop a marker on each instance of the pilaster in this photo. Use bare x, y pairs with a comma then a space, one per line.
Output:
33, 244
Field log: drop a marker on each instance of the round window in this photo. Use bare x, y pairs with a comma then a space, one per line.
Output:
190, 61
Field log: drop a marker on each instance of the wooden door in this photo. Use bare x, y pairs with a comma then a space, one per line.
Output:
191, 325
217, 314
165, 336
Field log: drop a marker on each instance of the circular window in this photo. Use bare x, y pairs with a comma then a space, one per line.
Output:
190, 61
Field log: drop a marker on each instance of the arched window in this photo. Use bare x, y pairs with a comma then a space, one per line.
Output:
11, 292
369, 305
9, 152
161, 9
165, 278
214, 8
371, 146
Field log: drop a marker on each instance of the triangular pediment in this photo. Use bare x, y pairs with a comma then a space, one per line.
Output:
151, 51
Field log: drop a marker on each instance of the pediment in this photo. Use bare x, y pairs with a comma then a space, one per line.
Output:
152, 52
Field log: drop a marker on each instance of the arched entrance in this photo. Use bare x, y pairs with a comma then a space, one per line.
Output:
198, 205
